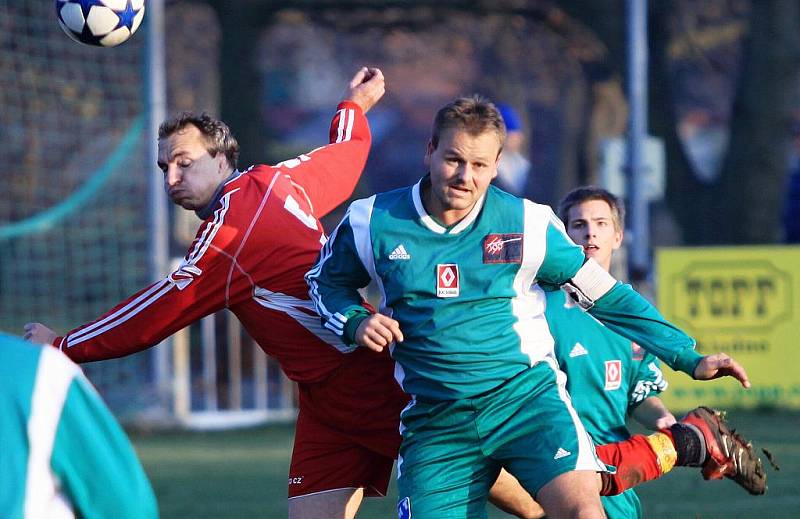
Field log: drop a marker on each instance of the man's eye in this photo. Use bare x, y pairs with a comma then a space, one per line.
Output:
185, 163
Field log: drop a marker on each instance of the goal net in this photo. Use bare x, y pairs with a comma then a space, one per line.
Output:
74, 225
74, 178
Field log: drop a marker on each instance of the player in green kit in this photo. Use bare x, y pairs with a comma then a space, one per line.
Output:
62, 453
457, 263
608, 376
611, 378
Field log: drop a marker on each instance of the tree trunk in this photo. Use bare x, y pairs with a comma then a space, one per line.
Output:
747, 207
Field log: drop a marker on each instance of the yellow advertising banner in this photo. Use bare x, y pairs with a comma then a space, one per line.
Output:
743, 301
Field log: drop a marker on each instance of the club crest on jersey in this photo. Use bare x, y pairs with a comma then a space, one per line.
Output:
613, 374
404, 508
502, 248
447, 283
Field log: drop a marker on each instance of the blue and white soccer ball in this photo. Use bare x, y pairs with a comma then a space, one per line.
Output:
102, 23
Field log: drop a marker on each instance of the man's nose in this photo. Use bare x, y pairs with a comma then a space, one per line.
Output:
173, 175
465, 172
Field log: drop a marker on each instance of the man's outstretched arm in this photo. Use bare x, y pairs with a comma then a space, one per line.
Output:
328, 175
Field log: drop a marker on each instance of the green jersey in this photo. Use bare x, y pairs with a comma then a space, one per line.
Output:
63, 453
607, 374
466, 296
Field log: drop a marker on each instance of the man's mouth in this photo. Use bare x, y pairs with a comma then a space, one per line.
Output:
460, 189
590, 248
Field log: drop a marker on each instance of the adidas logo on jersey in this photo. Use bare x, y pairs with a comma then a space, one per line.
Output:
399, 253
561, 453
578, 350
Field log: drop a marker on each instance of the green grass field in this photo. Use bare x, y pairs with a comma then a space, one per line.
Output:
242, 474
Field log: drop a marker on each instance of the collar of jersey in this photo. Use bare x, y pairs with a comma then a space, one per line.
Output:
433, 225
209, 208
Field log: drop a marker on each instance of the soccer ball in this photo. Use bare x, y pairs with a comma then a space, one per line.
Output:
102, 23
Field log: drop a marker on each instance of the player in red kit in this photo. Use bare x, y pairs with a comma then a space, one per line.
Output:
260, 234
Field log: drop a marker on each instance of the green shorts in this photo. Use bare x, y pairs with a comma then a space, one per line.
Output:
452, 451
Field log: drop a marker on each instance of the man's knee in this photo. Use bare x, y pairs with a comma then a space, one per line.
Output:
573, 494
334, 504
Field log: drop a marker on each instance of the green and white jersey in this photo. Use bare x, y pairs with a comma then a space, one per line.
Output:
470, 311
607, 374
464, 296
63, 453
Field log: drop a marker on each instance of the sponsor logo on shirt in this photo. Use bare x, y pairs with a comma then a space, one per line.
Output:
399, 253
447, 280
613, 374
502, 248
297, 480
561, 453
578, 350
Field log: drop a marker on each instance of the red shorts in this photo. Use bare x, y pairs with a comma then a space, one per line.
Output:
347, 433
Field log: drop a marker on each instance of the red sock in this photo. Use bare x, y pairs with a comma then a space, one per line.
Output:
638, 459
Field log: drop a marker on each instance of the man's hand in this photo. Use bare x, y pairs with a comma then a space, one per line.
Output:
39, 333
377, 332
366, 88
653, 414
720, 365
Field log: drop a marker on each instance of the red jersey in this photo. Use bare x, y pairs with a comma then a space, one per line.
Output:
250, 256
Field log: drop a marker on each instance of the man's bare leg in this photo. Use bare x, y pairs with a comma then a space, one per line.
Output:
572, 495
335, 504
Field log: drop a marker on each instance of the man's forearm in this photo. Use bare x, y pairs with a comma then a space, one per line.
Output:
627, 313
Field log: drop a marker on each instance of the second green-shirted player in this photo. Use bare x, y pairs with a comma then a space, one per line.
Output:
608, 376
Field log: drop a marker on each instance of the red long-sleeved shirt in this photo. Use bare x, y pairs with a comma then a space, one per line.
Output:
249, 256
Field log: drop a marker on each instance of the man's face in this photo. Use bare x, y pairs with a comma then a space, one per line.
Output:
191, 175
590, 224
462, 166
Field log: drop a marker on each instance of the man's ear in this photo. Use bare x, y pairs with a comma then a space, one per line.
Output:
222, 163
618, 239
497, 164
428, 152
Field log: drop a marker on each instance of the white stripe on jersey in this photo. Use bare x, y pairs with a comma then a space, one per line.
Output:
187, 270
234, 261
211, 230
113, 323
344, 131
528, 304
145, 295
305, 195
358, 215
360, 219
54, 375
313, 273
334, 329
301, 311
